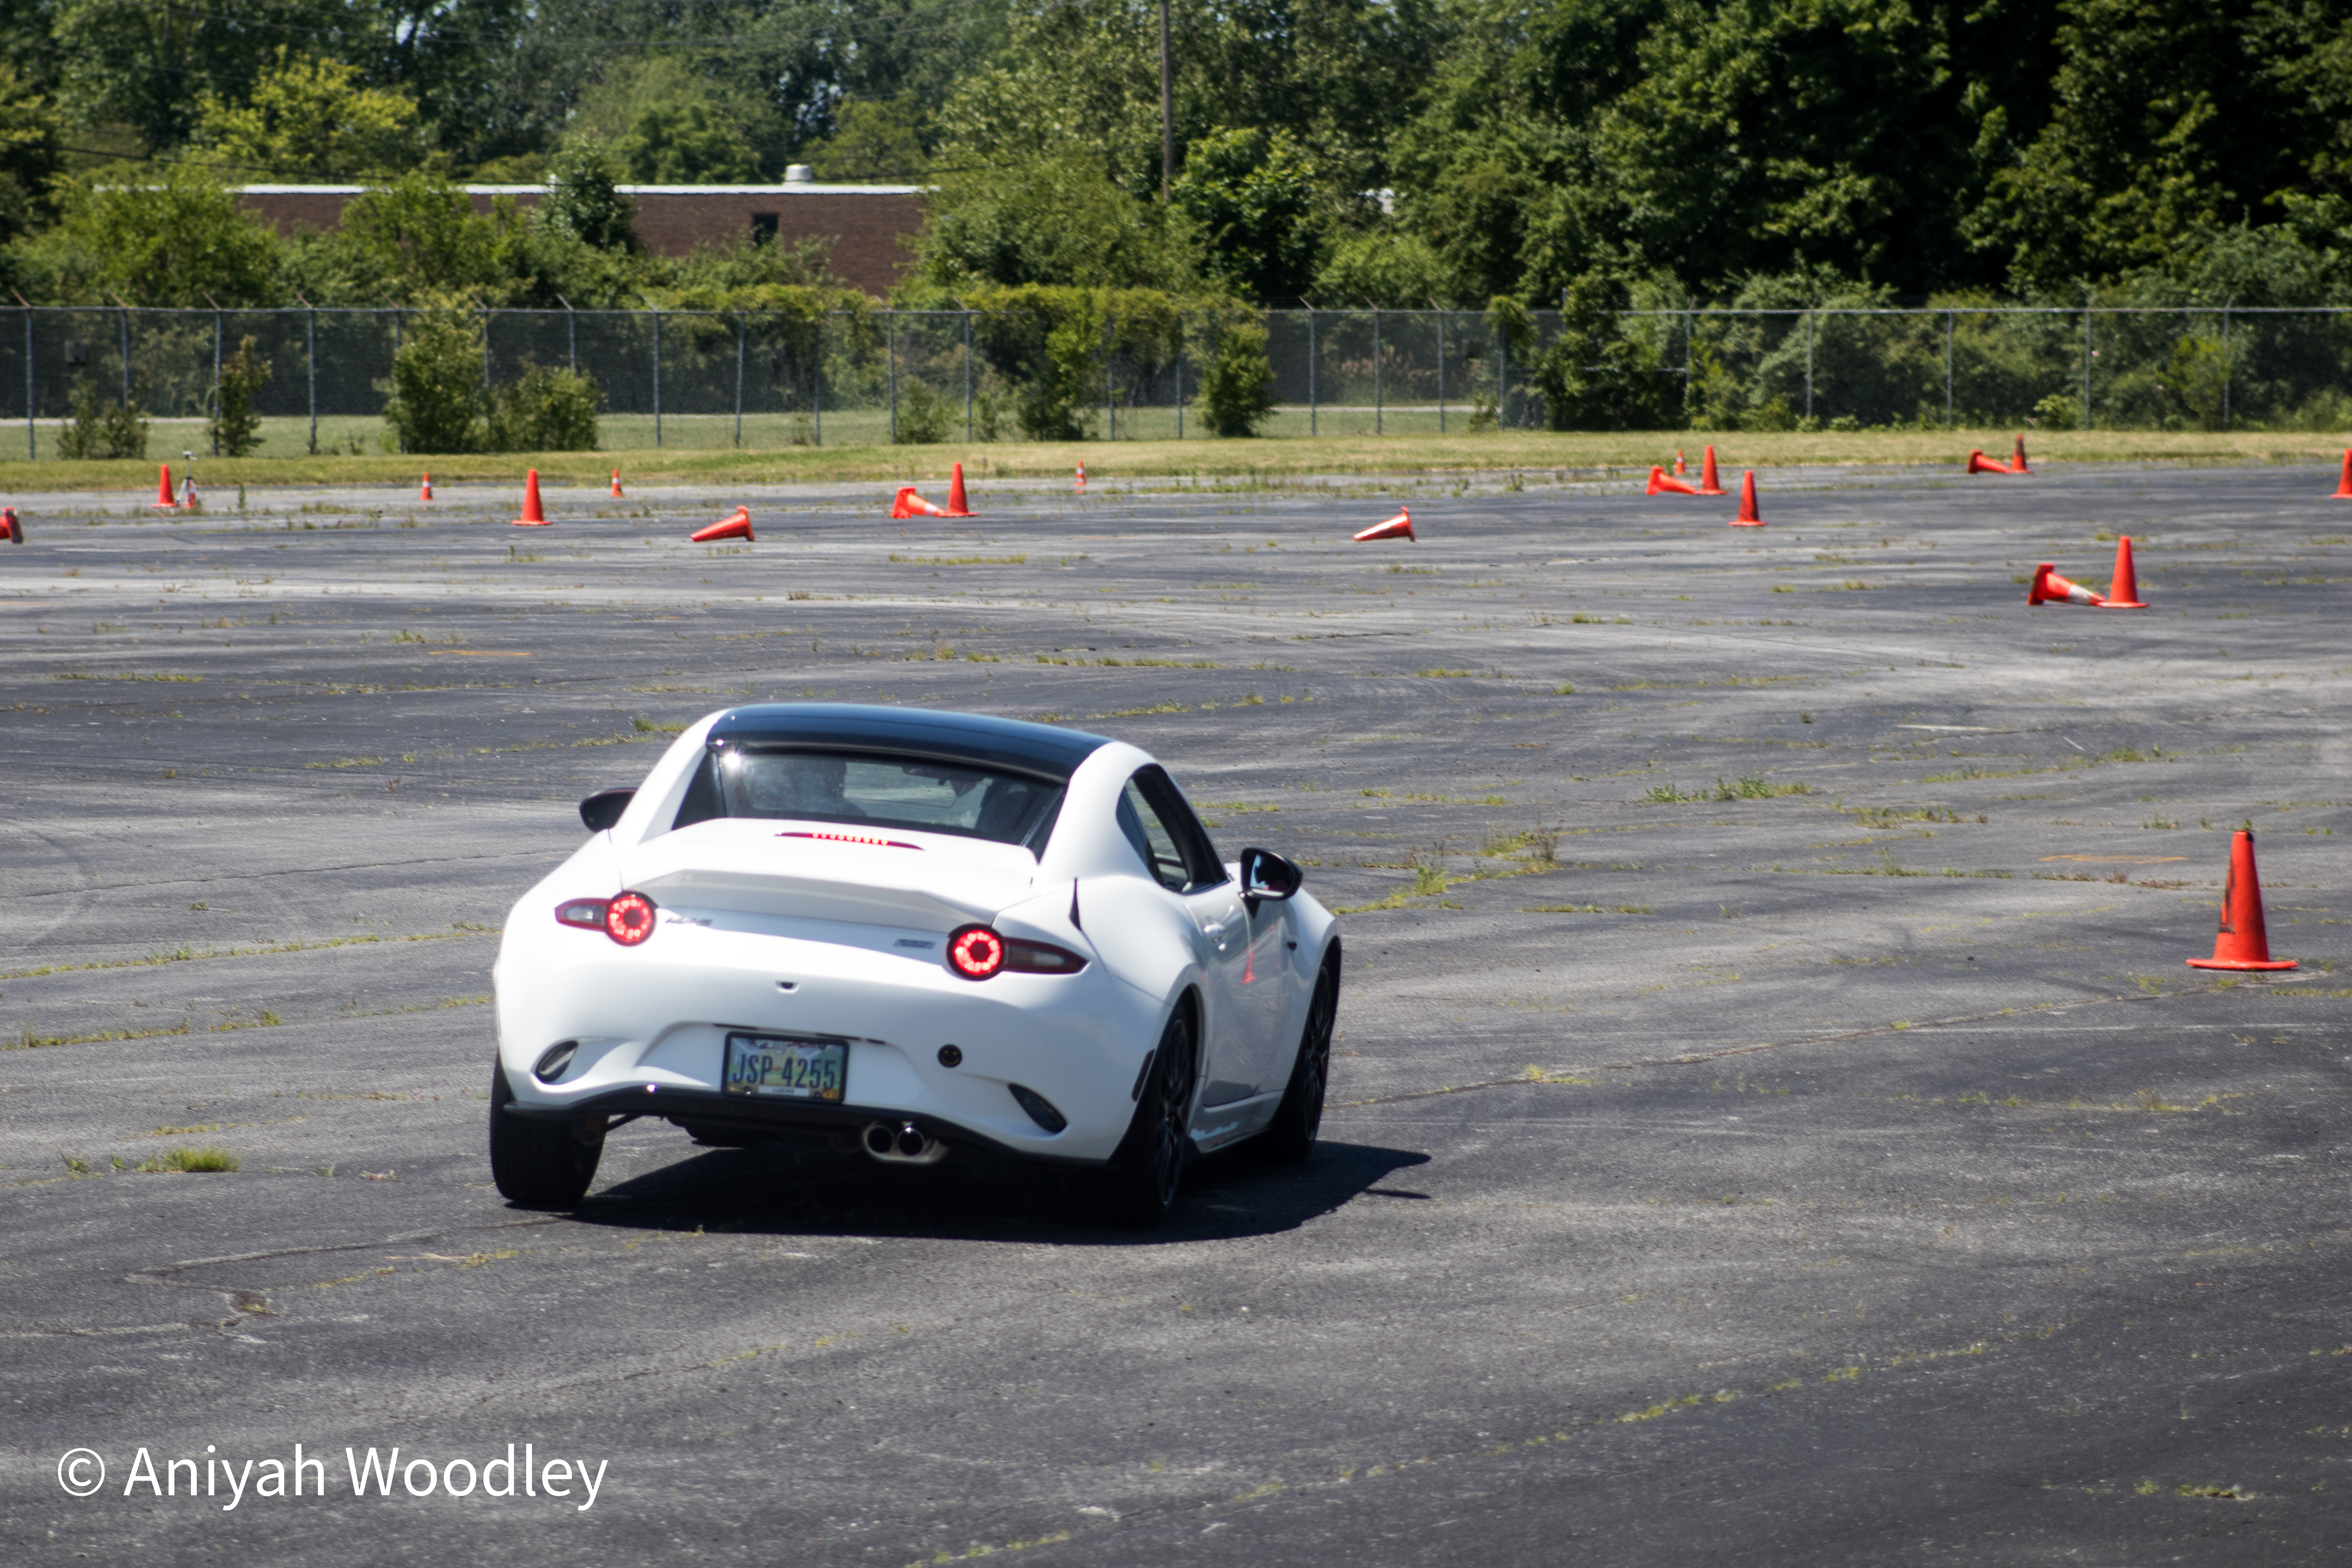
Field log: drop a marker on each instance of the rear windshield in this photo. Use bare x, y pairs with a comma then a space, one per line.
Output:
966, 798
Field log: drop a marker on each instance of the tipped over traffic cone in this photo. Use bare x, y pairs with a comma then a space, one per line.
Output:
908, 504
532, 516
1397, 527
1679, 470
14, 526
2050, 588
2017, 464
2344, 485
735, 527
2241, 942
2123, 593
1708, 484
1082, 478
1980, 464
1749, 516
958, 506
1661, 484
616, 486
164, 500
424, 488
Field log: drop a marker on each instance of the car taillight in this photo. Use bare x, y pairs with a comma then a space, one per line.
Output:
588, 914
629, 919
975, 952
1041, 958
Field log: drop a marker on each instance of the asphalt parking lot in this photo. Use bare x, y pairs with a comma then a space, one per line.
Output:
1773, 1121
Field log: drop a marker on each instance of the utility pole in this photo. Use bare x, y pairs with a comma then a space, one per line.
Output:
1167, 112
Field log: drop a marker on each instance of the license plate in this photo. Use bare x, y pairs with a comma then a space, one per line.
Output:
787, 1067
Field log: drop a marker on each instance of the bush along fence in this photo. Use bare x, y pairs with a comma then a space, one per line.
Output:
90, 382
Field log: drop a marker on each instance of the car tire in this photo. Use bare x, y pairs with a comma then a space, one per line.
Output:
540, 1164
1148, 1170
1290, 1136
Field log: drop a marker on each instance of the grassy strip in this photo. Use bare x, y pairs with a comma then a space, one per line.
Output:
1250, 461
190, 955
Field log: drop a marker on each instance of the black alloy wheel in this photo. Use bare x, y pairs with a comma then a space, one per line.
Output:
540, 1164
1290, 1136
1149, 1169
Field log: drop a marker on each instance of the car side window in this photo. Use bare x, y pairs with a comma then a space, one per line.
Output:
1154, 816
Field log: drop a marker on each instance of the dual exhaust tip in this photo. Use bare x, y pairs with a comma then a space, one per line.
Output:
902, 1143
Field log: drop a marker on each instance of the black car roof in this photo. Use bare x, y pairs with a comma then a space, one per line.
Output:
958, 737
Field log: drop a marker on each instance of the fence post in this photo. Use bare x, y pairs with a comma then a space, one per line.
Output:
1377, 410
1503, 379
891, 326
739, 381
2225, 365
1441, 374
1110, 384
816, 385
658, 429
1809, 363
125, 314
32, 445
216, 379
1179, 385
571, 334
2086, 360
313, 373
1310, 370
1690, 324
1948, 318
967, 378
398, 317
485, 357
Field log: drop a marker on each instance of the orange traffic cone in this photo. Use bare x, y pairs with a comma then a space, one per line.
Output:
735, 527
1679, 470
1397, 527
2241, 942
425, 490
1749, 516
1980, 464
958, 506
2048, 587
2344, 485
1662, 485
2017, 457
2123, 594
16, 529
1082, 478
532, 516
1708, 484
163, 501
616, 486
909, 504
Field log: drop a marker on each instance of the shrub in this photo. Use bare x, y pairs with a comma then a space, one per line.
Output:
923, 416
434, 401
235, 428
102, 430
545, 410
1238, 389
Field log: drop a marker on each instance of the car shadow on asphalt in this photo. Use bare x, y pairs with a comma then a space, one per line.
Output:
788, 1189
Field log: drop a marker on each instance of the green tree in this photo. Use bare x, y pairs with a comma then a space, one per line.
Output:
31, 154
435, 400
311, 118
874, 143
1237, 387
420, 236
235, 426
1252, 195
172, 236
1057, 220
581, 201
545, 410
686, 144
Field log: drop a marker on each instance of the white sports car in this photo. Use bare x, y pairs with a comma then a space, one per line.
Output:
918, 931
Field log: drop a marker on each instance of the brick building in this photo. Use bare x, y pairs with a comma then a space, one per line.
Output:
864, 223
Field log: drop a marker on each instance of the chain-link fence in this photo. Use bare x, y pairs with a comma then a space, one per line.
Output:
708, 379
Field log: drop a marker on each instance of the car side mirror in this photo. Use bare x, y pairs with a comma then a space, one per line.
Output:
1266, 875
604, 808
